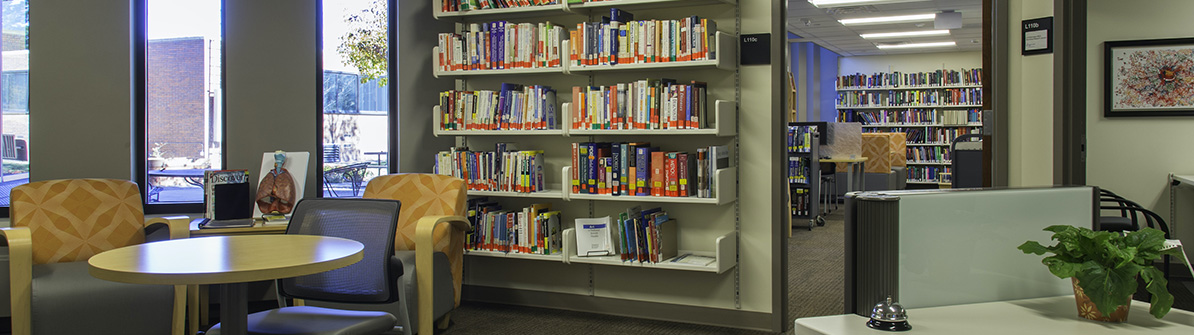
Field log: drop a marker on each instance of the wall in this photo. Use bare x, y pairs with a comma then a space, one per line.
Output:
79, 87
273, 88
1030, 102
909, 62
1133, 156
815, 71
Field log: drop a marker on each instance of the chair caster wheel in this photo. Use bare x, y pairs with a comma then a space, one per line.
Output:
820, 221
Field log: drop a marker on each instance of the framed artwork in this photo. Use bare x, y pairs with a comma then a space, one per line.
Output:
1149, 78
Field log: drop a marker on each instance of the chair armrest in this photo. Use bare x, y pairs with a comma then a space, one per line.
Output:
425, 266
20, 271
179, 226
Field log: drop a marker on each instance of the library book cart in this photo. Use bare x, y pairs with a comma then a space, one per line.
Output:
807, 200
561, 113
932, 108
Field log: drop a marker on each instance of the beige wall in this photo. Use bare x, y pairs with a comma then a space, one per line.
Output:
1133, 156
79, 90
910, 62
1030, 102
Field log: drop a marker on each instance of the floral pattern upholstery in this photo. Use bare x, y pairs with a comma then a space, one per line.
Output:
72, 219
426, 195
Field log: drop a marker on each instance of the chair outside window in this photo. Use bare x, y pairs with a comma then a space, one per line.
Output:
430, 244
57, 226
373, 280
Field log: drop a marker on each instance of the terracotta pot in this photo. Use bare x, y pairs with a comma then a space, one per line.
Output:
1087, 309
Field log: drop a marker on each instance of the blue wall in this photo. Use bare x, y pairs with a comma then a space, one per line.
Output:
826, 80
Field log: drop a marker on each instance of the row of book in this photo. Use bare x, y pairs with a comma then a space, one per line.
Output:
512, 107
636, 235
462, 5
798, 169
623, 169
926, 173
643, 104
619, 39
529, 230
459, 5
504, 169
941, 77
800, 138
961, 116
928, 154
921, 135
948, 96
800, 202
502, 45
911, 116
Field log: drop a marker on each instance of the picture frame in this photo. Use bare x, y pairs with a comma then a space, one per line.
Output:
1149, 78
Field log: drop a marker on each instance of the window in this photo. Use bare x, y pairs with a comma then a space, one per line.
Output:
183, 101
357, 112
14, 98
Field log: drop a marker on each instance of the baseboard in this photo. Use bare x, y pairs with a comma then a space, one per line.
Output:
620, 307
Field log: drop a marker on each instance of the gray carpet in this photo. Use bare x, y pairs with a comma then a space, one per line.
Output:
815, 269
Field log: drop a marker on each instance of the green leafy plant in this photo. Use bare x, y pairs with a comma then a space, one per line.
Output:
1106, 264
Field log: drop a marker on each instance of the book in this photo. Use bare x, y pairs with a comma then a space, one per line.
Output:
226, 194
593, 237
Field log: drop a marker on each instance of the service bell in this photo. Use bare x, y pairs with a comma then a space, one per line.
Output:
890, 316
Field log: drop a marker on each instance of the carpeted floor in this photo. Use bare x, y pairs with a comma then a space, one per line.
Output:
816, 270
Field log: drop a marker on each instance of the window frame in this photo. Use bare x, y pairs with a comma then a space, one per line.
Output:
140, 136
391, 99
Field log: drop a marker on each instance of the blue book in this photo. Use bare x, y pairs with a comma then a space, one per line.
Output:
642, 156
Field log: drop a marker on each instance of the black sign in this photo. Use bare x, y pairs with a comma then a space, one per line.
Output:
756, 49
1037, 36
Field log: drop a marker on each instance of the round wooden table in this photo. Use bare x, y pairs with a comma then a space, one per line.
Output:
229, 261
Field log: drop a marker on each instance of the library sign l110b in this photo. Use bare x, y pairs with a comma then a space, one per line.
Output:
1037, 36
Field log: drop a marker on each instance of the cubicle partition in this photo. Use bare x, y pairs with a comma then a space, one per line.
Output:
945, 247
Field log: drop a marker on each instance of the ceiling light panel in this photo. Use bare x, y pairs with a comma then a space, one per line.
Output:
888, 19
899, 34
917, 45
840, 3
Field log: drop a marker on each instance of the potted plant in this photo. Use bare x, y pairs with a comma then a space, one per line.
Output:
1104, 266
156, 161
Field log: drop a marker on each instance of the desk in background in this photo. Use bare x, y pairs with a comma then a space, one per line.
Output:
855, 169
1174, 182
1052, 315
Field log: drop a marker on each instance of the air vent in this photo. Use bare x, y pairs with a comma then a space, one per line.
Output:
851, 10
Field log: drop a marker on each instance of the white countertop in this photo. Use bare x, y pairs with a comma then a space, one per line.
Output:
1054, 316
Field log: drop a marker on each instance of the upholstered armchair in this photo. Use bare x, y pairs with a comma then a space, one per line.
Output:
56, 226
430, 243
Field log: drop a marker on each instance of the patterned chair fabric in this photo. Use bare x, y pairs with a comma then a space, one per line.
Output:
72, 219
422, 195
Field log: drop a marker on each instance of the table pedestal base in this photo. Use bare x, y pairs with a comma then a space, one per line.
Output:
234, 310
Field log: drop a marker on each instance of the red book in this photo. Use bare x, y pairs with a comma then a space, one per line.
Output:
672, 175
657, 175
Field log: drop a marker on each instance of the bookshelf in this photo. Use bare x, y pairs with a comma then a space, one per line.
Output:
931, 107
705, 226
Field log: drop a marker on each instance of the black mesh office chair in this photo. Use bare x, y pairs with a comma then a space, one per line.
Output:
372, 280
1131, 215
